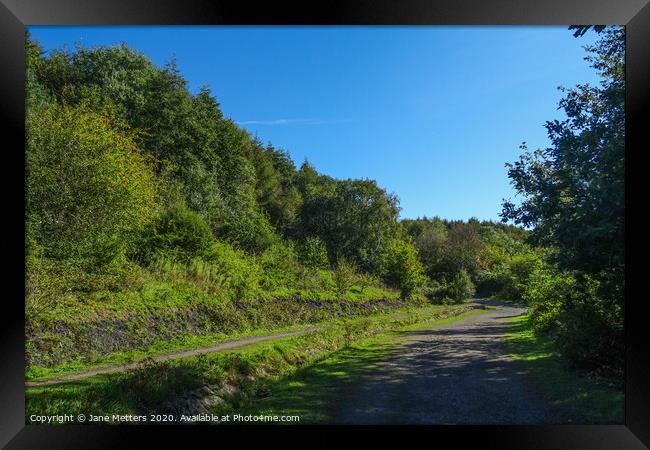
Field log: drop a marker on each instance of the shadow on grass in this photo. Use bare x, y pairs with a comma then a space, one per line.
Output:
138, 391
313, 392
457, 375
434, 376
573, 394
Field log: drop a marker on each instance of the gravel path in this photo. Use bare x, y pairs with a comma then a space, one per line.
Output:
454, 374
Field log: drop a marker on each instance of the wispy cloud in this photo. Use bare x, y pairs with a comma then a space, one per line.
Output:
291, 121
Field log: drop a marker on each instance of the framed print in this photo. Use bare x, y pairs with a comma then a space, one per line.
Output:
358, 216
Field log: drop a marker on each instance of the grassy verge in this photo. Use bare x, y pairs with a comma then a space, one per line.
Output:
36, 373
583, 399
246, 371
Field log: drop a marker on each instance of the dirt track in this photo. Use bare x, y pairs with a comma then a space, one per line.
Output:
169, 356
455, 374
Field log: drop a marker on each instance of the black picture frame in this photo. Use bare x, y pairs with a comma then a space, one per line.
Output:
16, 14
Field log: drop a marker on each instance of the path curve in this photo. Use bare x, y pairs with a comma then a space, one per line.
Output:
454, 374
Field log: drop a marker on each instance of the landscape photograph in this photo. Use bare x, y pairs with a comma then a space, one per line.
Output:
288, 225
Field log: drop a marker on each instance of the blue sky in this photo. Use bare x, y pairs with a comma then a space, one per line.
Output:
431, 113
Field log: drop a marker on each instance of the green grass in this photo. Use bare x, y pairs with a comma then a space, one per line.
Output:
575, 395
148, 388
312, 392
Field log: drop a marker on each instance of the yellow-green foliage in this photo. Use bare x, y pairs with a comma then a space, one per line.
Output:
314, 252
344, 275
402, 267
88, 185
58, 289
178, 232
508, 275
280, 266
545, 292
224, 272
242, 274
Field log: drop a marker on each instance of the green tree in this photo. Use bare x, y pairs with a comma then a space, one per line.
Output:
89, 188
187, 135
37, 93
430, 237
463, 245
355, 219
574, 190
460, 288
574, 201
179, 233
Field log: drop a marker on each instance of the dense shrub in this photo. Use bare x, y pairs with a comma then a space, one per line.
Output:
242, 273
590, 331
402, 267
344, 276
432, 290
579, 315
280, 266
178, 233
509, 278
250, 232
313, 253
545, 293
458, 290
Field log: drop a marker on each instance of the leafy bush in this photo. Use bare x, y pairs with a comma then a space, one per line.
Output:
431, 289
459, 289
279, 265
251, 232
591, 330
208, 276
313, 253
242, 273
402, 267
366, 280
580, 316
546, 291
179, 233
509, 279
315, 283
